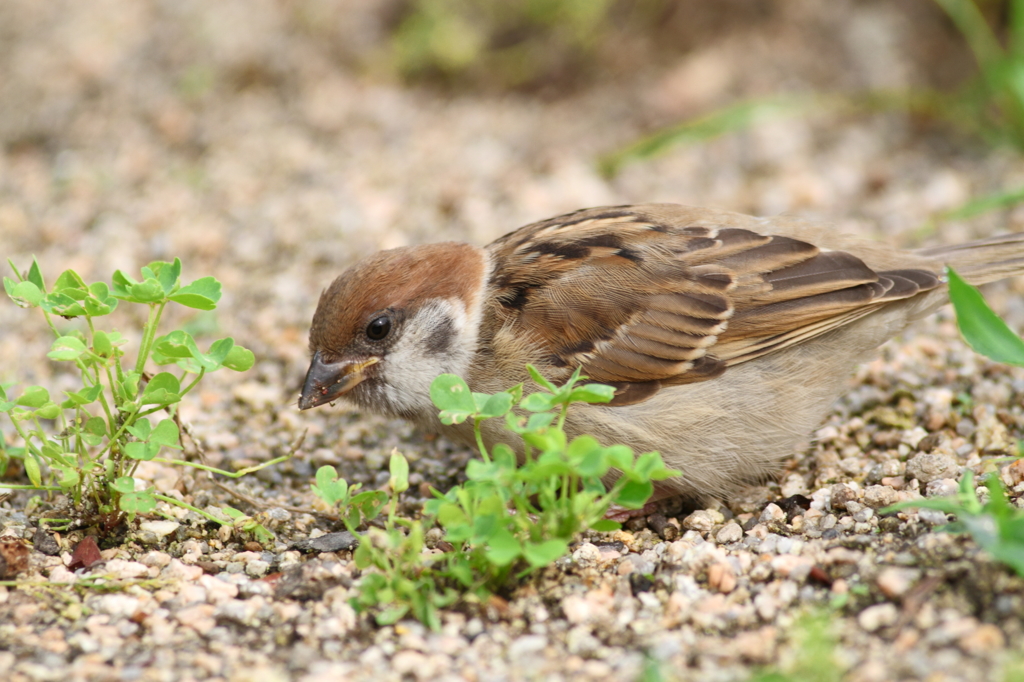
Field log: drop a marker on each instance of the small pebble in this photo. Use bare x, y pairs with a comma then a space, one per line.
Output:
841, 495
152, 532
877, 617
772, 513
894, 581
932, 517
930, 467
985, 640
864, 515
586, 554
942, 487
721, 577
730, 532
878, 496
703, 520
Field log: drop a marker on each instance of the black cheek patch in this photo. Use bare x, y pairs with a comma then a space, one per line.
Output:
440, 340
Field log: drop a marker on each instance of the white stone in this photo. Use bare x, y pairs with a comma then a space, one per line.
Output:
878, 616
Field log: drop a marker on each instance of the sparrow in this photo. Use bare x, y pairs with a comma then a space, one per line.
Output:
727, 337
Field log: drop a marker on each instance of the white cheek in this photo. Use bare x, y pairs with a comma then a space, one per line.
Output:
412, 363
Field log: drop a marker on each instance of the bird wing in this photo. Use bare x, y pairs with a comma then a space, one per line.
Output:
641, 301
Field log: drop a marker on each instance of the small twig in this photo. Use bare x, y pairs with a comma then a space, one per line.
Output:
915, 599
263, 506
197, 448
240, 496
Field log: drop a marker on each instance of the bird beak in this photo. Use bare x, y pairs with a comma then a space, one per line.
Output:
326, 381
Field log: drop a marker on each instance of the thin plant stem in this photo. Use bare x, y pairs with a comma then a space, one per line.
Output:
197, 510
229, 474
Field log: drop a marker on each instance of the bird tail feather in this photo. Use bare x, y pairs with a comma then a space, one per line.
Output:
984, 260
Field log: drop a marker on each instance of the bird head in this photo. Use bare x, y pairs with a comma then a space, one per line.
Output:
388, 326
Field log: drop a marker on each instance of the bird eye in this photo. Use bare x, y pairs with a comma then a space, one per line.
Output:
379, 328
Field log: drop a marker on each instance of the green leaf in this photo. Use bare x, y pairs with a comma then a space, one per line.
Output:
329, 487
141, 502
173, 347
147, 291
503, 548
399, 468
150, 290
581, 446
593, 463
538, 402
34, 396
52, 453
128, 387
31, 465
634, 494
124, 484
605, 526
503, 457
35, 275
166, 434
179, 347
485, 524
392, 614
84, 396
232, 513
496, 405
219, 350
66, 348
69, 476
50, 410
94, 431
370, 503
201, 294
63, 304
166, 274
539, 379
539, 421
99, 302
477, 470
650, 467
450, 393
101, 344
239, 359
592, 393
70, 283
540, 554
121, 284
620, 456
25, 294
101, 291
549, 440
141, 450
451, 515
163, 389
983, 330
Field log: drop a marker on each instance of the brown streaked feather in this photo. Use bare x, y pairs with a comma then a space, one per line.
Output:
642, 297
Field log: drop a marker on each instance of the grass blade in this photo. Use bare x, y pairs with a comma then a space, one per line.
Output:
982, 328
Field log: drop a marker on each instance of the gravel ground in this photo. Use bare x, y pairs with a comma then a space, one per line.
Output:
238, 137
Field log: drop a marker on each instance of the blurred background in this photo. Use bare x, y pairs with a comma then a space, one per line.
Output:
270, 143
